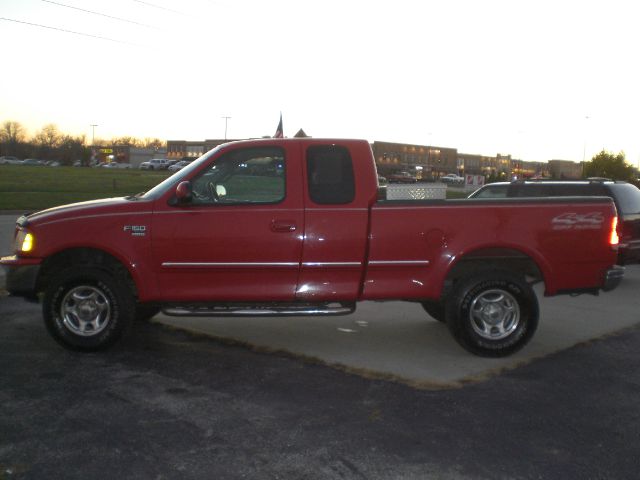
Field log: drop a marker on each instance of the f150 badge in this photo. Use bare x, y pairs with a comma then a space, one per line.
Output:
136, 230
578, 221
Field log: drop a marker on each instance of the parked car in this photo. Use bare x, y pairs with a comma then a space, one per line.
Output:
7, 159
625, 195
116, 165
402, 177
178, 166
452, 178
155, 164
33, 162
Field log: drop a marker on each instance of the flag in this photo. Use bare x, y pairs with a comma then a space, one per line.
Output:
279, 132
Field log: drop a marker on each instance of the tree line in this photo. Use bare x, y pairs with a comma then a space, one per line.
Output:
608, 165
49, 143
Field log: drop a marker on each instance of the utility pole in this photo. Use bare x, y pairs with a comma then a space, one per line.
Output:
226, 119
584, 146
93, 134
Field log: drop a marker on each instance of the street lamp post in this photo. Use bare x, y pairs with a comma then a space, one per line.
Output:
93, 134
226, 119
584, 146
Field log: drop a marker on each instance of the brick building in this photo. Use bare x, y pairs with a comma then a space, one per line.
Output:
178, 149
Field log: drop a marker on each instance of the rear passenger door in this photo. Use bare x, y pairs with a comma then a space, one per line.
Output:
336, 226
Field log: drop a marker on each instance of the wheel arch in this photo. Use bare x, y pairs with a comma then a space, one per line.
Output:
508, 258
85, 257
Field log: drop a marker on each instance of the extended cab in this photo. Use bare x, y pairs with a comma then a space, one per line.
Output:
296, 227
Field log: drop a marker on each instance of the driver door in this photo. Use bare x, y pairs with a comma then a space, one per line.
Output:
240, 238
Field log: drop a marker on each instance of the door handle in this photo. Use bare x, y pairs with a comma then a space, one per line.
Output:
283, 226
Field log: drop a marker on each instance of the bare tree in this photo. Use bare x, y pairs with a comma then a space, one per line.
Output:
127, 140
12, 139
154, 143
46, 142
72, 149
12, 132
48, 137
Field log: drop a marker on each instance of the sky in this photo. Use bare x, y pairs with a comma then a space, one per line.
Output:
537, 79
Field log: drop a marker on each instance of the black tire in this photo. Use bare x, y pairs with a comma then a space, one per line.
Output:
87, 309
145, 312
435, 309
493, 313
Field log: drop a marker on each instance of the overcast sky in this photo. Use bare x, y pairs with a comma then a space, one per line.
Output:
512, 77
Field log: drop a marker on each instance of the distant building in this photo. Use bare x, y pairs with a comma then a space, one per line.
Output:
126, 154
471, 163
565, 169
421, 161
424, 162
177, 149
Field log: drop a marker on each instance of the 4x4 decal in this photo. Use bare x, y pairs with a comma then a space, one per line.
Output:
578, 221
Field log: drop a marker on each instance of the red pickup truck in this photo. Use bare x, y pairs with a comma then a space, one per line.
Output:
298, 227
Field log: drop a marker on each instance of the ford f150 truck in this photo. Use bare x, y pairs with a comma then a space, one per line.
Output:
298, 227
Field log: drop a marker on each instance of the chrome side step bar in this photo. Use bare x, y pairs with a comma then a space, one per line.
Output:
259, 310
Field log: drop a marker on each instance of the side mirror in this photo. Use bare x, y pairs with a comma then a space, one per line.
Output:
184, 192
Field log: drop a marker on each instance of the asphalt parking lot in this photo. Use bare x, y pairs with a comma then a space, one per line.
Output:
168, 404
384, 393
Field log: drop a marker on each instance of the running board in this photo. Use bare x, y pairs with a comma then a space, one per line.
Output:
259, 310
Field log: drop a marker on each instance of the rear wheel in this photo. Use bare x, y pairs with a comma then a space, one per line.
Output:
87, 309
492, 314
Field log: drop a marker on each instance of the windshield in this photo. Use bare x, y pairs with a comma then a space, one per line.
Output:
178, 176
627, 197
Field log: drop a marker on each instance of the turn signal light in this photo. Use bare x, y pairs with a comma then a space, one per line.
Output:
24, 241
27, 243
614, 239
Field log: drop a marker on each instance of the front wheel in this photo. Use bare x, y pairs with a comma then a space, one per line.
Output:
145, 312
492, 314
435, 309
87, 309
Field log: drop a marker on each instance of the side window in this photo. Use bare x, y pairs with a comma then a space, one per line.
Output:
493, 192
330, 175
571, 190
254, 175
532, 190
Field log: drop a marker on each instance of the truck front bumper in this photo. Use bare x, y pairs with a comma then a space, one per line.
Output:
22, 275
612, 278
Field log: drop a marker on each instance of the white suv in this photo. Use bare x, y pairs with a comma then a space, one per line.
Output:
155, 164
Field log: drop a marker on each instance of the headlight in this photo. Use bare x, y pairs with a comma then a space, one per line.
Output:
24, 241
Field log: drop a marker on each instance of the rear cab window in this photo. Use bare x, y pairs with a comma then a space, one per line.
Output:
330, 177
